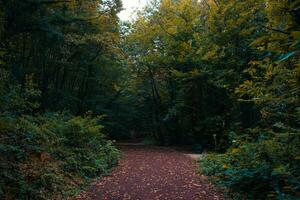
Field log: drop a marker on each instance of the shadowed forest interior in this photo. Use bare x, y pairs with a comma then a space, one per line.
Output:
217, 76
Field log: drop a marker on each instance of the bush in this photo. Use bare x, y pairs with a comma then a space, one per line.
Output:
212, 164
49, 156
264, 169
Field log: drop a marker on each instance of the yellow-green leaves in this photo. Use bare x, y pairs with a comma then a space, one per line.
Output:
248, 90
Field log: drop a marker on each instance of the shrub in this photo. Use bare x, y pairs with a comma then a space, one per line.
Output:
48, 156
264, 169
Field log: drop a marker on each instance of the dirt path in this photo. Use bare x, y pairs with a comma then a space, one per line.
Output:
150, 173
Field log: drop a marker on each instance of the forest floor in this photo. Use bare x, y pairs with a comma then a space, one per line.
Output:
152, 173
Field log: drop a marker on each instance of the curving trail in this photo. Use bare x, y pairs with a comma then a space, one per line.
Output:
152, 173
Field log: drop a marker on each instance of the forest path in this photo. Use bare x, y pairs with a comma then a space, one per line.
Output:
152, 173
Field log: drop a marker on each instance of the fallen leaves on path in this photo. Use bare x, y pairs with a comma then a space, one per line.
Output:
152, 173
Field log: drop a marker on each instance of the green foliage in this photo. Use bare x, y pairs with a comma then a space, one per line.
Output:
224, 74
68, 50
175, 87
213, 164
261, 169
15, 98
47, 155
263, 163
56, 56
217, 74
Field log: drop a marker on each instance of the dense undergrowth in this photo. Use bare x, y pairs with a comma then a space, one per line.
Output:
51, 156
263, 169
